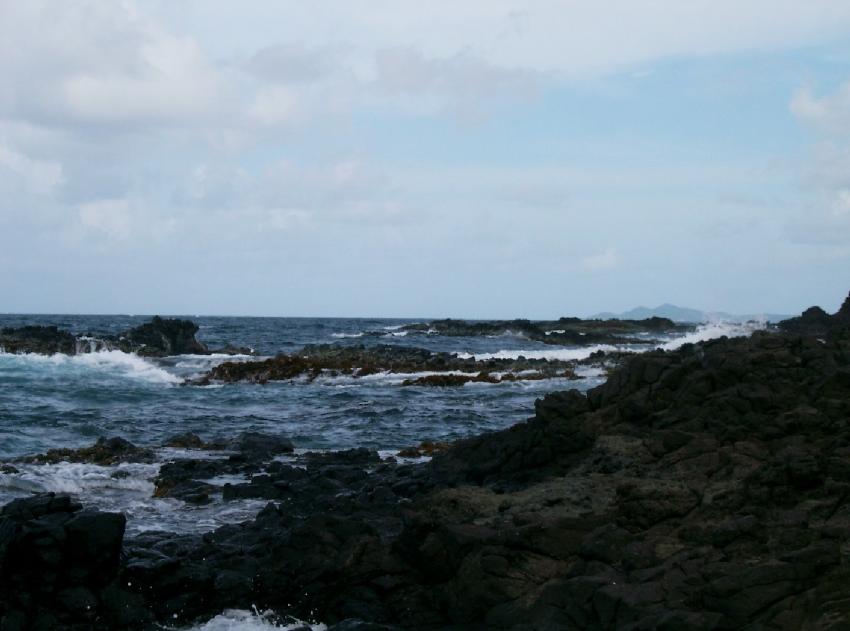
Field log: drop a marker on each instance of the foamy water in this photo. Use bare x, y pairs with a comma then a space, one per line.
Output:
702, 333
60, 401
244, 620
114, 363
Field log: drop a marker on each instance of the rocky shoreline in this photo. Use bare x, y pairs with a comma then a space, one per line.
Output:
702, 488
160, 337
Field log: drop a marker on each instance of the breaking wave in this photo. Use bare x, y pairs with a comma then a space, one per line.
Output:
244, 620
702, 333
115, 362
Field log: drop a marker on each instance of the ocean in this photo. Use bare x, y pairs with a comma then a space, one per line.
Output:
69, 401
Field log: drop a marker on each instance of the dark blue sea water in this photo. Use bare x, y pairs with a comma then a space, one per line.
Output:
61, 401
69, 401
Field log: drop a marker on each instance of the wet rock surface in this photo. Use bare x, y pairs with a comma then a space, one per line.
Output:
702, 488
59, 566
160, 337
360, 361
44, 340
566, 331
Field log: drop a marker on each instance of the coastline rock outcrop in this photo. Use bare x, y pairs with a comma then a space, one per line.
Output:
160, 337
702, 488
59, 565
564, 331
361, 360
815, 321
44, 340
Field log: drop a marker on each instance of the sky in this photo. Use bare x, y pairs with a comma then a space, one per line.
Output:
484, 158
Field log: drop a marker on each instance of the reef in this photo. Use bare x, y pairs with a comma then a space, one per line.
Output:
360, 360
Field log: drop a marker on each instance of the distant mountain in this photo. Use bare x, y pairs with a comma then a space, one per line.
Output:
686, 314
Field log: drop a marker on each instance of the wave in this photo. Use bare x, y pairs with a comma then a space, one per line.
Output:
702, 333
383, 378
80, 478
714, 330
347, 335
113, 362
244, 620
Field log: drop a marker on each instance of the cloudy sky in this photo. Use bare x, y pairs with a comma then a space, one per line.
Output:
484, 158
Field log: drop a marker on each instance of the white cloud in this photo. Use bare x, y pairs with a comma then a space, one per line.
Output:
607, 260
829, 113
36, 176
74, 63
825, 221
121, 220
110, 217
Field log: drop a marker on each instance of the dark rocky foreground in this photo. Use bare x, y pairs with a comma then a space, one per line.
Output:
158, 338
704, 488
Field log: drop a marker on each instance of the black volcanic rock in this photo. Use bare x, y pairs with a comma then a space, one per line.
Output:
561, 331
702, 488
58, 566
361, 360
816, 321
45, 340
158, 338
162, 336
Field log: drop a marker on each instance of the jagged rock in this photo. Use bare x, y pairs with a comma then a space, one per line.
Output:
45, 340
562, 331
816, 321
450, 380
157, 338
59, 564
359, 360
702, 488
161, 337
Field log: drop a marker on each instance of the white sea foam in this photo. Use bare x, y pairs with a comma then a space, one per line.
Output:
562, 354
127, 488
346, 335
244, 620
114, 362
714, 330
384, 378
702, 333
396, 334
80, 478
